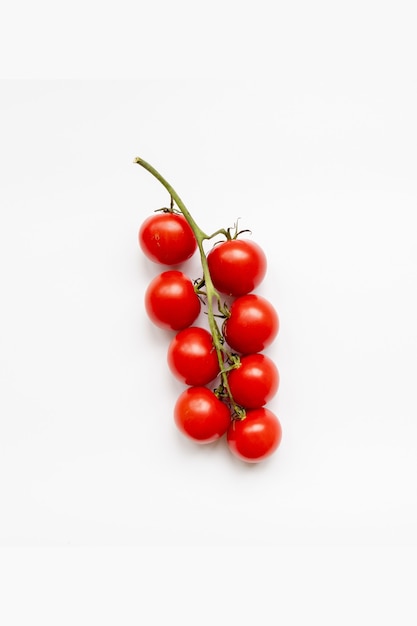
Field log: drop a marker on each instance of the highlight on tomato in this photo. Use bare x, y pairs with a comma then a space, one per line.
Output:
255, 437
167, 238
236, 266
254, 382
200, 415
253, 324
171, 301
192, 357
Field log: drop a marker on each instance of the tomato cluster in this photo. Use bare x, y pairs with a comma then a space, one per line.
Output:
228, 379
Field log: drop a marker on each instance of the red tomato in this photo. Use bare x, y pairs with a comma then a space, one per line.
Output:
236, 266
252, 326
255, 382
192, 357
167, 238
171, 302
200, 415
255, 437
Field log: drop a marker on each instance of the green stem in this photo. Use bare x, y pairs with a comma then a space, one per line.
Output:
212, 293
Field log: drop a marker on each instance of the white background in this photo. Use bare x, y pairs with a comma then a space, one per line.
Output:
311, 142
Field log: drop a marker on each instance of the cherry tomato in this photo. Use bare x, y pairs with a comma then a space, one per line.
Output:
192, 357
253, 324
171, 302
255, 437
254, 382
200, 415
236, 266
167, 238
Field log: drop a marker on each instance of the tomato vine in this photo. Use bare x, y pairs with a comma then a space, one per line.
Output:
210, 292
231, 353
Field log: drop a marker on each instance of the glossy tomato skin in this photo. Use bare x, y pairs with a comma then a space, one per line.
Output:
200, 415
237, 266
255, 382
256, 437
171, 302
253, 324
192, 357
167, 238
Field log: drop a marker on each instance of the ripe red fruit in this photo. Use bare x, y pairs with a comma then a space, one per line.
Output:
252, 326
254, 382
237, 266
192, 357
167, 238
171, 302
255, 437
200, 415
